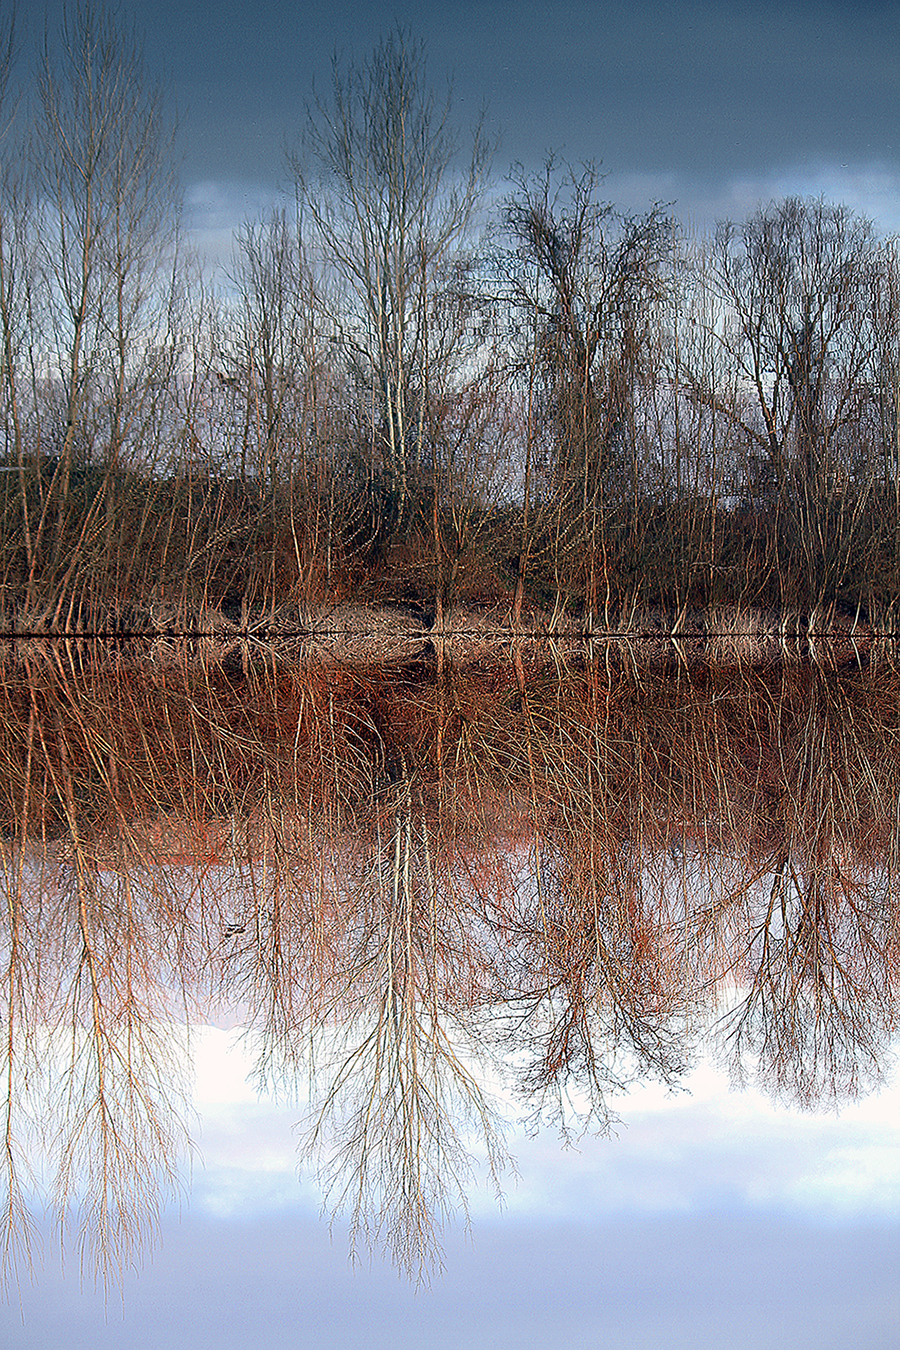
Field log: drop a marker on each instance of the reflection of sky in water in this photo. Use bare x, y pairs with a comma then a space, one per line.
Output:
712, 1219
677, 1152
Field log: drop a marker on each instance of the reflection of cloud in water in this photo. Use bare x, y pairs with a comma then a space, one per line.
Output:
705, 1147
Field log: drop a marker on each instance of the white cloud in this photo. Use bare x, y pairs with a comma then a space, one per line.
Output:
872, 189
214, 210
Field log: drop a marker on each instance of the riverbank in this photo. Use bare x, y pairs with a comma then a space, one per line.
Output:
400, 634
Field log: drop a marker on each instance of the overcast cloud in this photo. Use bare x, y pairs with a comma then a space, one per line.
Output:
711, 106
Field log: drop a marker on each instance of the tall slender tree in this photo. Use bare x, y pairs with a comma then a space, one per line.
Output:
378, 179
102, 171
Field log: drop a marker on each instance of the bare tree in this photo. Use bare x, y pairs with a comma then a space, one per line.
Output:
16, 266
107, 228
796, 281
584, 285
379, 184
285, 394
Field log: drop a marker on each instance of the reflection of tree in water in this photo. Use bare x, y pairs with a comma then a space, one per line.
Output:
387, 1030
411, 887
819, 931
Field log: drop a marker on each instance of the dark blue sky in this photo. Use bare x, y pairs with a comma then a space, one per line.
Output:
712, 106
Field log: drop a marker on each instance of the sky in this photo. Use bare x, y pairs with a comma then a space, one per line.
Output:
714, 1218
713, 106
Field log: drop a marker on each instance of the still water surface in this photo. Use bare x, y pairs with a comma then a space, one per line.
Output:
565, 876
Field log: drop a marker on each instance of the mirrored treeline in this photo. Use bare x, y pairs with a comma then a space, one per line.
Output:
415, 879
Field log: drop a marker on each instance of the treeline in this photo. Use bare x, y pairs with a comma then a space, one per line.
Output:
414, 386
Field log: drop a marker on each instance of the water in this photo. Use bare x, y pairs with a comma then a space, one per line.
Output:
562, 871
